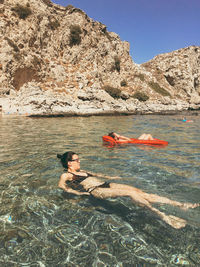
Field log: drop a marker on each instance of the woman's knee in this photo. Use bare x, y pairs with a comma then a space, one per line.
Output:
140, 200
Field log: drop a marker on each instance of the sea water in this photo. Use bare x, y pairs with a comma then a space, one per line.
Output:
42, 226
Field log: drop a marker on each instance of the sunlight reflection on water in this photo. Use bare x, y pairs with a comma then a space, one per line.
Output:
51, 228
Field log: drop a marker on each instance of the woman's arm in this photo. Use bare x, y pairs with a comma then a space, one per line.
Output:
62, 184
101, 175
122, 137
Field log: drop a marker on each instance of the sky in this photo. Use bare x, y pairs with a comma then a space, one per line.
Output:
151, 27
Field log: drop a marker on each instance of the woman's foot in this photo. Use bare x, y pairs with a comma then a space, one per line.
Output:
174, 221
186, 206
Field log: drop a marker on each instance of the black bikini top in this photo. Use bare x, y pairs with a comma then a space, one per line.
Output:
79, 178
75, 184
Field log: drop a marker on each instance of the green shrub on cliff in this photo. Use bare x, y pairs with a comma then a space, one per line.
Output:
12, 44
75, 35
54, 24
142, 97
123, 83
47, 2
68, 7
22, 11
117, 63
156, 87
112, 91
140, 76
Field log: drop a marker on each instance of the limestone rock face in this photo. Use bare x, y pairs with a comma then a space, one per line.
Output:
179, 72
56, 59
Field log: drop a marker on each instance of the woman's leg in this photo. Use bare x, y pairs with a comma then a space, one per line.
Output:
152, 198
150, 137
145, 137
137, 198
142, 137
174, 221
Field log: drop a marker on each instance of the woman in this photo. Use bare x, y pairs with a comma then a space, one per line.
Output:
80, 182
185, 120
118, 137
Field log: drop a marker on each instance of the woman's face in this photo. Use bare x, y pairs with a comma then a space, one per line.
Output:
115, 137
74, 163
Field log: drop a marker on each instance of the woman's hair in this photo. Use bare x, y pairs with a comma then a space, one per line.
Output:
112, 135
67, 156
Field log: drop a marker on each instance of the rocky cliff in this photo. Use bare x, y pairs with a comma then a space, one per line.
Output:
57, 60
178, 72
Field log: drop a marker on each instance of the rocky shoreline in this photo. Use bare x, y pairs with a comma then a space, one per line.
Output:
169, 112
115, 113
32, 101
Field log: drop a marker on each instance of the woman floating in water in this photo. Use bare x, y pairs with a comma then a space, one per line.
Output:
80, 182
118, 137
185, 120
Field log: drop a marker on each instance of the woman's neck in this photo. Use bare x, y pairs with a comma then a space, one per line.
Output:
72, 170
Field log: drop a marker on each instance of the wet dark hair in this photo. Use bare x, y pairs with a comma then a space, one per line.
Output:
111, 135
67, 156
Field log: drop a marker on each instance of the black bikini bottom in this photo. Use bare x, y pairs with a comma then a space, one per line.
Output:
104, 185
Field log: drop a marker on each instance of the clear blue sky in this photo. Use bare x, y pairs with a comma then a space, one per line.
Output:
151, 27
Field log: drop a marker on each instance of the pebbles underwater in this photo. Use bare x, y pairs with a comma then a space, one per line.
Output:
43, 226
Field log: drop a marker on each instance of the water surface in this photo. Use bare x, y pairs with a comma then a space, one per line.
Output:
42, 226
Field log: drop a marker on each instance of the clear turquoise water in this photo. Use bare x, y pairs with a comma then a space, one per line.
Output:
42, 226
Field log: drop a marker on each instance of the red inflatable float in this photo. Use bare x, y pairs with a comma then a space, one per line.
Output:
187, 121
155, 141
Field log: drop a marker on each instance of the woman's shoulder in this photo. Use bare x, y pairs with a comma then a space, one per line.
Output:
66, 175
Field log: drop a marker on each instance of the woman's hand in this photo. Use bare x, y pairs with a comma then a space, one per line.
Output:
84, 194
114, 177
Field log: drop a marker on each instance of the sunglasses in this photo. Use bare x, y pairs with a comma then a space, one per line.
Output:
77, 160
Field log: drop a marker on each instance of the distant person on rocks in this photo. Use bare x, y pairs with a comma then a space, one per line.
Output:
80, 182
185, 120
118, 137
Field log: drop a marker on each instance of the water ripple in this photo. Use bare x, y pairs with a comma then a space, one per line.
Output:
42, 226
